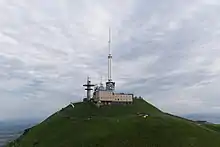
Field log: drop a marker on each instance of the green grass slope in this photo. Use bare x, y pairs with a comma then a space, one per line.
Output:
214, 127
117, 126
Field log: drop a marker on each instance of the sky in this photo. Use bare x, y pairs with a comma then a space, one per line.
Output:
165, 51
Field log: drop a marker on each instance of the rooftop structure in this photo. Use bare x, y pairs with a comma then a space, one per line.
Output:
110, 85
89, 88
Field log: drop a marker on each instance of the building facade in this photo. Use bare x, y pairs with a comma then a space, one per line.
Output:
108, 97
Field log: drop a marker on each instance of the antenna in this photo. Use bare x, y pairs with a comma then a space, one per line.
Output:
109, 58
101, 79
109, 41
101, 85
89, 88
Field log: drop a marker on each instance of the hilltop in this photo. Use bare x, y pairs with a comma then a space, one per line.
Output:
136, 125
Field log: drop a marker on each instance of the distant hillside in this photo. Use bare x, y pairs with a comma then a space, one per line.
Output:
137, 125
209, 117
10, 130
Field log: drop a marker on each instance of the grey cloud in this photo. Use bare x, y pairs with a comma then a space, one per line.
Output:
165, 51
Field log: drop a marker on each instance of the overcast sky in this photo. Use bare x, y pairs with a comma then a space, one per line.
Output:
166, 51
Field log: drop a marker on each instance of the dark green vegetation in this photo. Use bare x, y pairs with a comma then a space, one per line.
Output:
215, 127
117, 126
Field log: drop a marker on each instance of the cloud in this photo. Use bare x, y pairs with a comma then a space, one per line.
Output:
165, 51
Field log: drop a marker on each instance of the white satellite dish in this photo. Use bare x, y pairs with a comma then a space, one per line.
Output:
145, 116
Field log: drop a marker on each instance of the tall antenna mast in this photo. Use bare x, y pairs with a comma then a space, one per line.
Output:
109, 41
101, 81
109, 58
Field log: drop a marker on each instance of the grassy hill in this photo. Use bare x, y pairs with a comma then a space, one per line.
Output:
215, 127
85, 125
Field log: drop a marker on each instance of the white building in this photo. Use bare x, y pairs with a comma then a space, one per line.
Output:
108, 97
